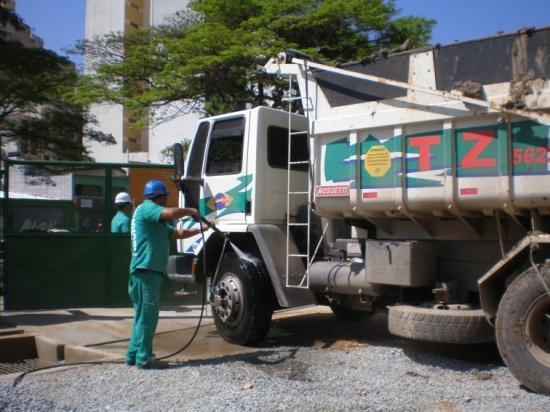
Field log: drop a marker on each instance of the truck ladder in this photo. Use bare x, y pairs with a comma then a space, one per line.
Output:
297, 280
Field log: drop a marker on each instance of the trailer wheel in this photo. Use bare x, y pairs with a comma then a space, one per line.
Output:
439, 325
350, 314
523, 330
241, 307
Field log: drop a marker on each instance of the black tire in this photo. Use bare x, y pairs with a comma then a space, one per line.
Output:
523, 330
244, 317
439, 325
349, 314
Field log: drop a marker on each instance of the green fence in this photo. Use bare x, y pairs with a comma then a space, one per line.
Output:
58, 249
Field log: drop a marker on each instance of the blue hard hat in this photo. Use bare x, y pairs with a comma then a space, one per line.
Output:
154, 188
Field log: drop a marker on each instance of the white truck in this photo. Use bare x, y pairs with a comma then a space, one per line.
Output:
417, 182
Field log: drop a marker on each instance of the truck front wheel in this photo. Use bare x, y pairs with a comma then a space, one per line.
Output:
523, 329
241, 307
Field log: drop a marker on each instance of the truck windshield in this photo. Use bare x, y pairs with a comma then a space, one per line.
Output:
194, 168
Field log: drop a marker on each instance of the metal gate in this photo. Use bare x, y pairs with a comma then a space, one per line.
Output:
58, 249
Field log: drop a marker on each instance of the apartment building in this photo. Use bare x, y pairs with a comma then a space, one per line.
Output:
20, 32
138, 144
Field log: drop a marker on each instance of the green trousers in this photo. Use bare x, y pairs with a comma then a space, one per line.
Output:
144, 290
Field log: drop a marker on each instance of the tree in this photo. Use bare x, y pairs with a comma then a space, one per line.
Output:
167, 154
57, 131
35, 110
207, 58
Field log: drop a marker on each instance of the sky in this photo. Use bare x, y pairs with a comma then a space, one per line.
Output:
60, 23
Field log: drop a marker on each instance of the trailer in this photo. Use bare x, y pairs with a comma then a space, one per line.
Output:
416, 182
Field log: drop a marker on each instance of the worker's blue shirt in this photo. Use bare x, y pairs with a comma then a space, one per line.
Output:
120, 223
150, 238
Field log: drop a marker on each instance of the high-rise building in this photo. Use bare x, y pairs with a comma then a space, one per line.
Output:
8, 4
146, 143
18, 31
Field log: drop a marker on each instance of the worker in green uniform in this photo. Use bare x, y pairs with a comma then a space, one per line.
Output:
121, 220
150, 234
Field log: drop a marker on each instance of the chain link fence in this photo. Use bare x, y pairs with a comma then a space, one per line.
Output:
57, 197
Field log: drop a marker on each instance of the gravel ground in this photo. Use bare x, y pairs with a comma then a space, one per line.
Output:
350, 377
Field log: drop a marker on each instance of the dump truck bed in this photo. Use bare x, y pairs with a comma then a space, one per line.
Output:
443, 132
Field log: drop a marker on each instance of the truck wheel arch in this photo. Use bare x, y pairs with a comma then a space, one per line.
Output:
493, 284
522, 329
266, 244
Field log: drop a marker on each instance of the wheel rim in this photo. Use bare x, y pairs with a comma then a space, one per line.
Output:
537, 330
228, 299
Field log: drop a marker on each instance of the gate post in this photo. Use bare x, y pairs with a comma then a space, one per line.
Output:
107, 232
5, 212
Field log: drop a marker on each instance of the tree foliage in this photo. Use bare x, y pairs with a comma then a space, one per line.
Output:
207, 58
29, 78
35, 110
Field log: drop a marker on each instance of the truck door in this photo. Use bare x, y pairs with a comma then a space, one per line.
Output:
226, 190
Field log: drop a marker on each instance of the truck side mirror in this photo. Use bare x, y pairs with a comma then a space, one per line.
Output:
177, 150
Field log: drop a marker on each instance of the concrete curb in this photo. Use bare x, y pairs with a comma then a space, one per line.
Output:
49, 349
77, 353
25, 346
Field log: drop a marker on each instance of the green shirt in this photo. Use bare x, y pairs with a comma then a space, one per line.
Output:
120, 223
150, 238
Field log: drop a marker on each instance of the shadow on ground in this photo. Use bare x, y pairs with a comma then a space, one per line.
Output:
325, 330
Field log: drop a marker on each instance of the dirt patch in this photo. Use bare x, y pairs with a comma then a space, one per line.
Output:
470, 88
415, 374
347, 345
290, 369
445, 405
483, 376
524, 86
524, 81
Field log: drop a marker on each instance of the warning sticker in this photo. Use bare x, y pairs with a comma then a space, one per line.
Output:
377, 161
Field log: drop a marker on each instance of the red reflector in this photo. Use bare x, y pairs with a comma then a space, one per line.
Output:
194, 266
370, 195
469, 191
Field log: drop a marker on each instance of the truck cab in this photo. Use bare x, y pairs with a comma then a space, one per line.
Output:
237, 170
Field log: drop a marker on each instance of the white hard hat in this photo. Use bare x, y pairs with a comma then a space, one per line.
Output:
122, 197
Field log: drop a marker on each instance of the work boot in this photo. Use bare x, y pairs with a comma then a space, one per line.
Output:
154, 364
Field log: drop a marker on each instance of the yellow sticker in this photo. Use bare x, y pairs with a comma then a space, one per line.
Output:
377, 161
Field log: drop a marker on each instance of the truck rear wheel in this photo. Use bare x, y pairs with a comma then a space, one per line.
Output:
241, 306
523, 329
440, 325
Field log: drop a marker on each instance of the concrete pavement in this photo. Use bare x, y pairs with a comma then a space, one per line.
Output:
108, 329
93, 333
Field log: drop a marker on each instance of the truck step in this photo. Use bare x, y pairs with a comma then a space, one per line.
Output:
184, 293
